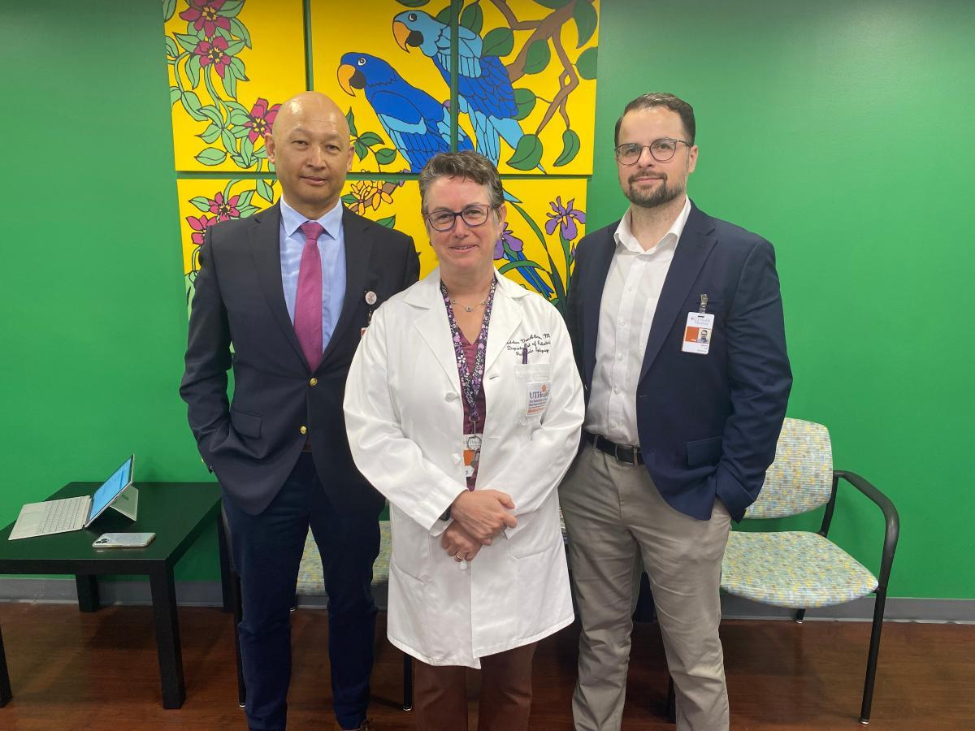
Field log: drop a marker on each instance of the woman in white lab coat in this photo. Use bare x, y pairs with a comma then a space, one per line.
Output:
464, 408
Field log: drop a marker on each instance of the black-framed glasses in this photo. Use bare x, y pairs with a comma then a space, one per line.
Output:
474, 215
661, 150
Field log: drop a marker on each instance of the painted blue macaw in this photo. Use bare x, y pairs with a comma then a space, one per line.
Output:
484, 93
417, 124
484, 87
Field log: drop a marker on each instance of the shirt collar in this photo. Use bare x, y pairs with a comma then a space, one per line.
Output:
331, 221
624, 234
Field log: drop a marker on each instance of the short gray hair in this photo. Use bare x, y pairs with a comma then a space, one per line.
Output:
467, 165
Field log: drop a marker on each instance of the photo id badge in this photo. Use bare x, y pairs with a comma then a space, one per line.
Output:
698, 333
472, 451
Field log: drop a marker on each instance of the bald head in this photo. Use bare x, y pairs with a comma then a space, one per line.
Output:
306, 106
311, 152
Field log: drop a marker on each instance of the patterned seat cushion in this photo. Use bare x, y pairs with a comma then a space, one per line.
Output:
795, 569
312, 582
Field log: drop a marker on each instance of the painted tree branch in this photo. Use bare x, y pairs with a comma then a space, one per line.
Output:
547, 29
568, 81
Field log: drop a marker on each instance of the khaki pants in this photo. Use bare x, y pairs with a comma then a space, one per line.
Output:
612, 511
440, 693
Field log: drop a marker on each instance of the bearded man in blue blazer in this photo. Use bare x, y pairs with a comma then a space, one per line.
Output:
283, 297
680, 426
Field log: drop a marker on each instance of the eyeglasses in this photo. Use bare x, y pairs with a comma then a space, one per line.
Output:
474, 215
661, 150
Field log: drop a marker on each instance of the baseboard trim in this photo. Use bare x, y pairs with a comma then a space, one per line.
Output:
207, 594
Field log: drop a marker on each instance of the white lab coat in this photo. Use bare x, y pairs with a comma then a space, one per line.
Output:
404, 415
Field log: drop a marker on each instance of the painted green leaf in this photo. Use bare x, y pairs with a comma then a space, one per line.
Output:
413, 3
525, 101
240, 30
237, 116
246, 211
265, 191
235, 47
552, 4
498, 42
387, 222
240, 132
236, 106
238, 68
570, 148
213, 114
191, 103
247, 150
586, 18
174, 95
385, 155
524, 264
193, 70
224, 33
443, 16
245, 198
238, 160
261, 153
201, 202
586, 65
210, 134
528, 153
169, 7
172, 50
187, 42
539, 54
361, 150
370, 139
230, 82
350, 118
229, 141
231, 8
211, 156
348, 199
473, 18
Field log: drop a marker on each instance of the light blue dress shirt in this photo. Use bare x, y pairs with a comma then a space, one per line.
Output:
331, 247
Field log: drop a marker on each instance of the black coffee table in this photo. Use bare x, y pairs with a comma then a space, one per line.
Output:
177, 513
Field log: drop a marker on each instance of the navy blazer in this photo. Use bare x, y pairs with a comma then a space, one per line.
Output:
253, 442
708, 424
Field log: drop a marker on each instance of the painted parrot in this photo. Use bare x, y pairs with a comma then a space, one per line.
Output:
484, 87
417, 124
484, 93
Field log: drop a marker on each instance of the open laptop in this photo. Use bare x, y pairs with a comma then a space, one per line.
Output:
75, 513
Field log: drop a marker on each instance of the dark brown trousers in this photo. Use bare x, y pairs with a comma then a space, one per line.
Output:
440, 693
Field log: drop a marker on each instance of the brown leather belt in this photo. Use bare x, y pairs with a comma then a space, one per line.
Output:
623, 453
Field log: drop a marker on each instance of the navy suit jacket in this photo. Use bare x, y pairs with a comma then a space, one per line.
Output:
708, 424
253, 442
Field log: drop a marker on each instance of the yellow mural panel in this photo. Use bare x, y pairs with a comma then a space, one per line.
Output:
548, 51
398, 102
231, 63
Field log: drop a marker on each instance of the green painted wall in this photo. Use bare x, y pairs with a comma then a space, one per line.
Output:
840, 131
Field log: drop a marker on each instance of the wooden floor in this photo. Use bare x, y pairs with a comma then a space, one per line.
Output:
99, 671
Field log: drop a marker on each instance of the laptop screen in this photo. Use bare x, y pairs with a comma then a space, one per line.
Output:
110, 490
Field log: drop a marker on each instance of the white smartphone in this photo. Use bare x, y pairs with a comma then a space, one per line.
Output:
123, 540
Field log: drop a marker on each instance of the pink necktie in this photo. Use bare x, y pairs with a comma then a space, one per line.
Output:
308, 302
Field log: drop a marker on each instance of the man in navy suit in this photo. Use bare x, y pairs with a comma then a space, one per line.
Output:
291, 289
679, 429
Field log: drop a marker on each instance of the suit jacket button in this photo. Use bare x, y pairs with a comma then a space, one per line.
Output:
313, 382
304, 430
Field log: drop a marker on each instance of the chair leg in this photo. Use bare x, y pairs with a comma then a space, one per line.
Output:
238, 615
671, 701
878, 622
800, 615
407, 682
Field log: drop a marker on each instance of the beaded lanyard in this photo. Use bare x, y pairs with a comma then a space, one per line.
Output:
470, 382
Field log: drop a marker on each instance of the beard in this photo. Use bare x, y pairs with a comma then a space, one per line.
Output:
660, 195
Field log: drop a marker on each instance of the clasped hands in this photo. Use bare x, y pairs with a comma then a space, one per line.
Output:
478, 516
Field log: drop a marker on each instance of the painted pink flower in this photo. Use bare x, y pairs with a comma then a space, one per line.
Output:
214, 52
205, 15
199, 226
565, 216
224, 209
261, 119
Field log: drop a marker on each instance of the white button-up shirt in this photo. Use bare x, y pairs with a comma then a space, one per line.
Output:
630, 295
